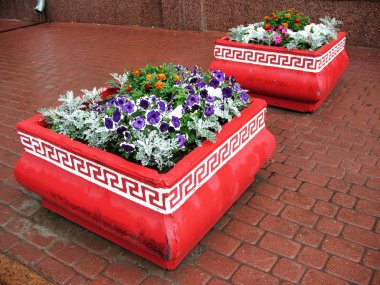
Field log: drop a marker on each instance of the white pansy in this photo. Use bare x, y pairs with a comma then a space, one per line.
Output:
214, 92
177, 112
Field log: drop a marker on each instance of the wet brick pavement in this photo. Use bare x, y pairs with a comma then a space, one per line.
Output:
311, 217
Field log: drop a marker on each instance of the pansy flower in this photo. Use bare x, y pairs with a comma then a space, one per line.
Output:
175, 122
209, 110
117, 116
219, 75
129, 107
153, 117
181, 140
144, 103
109, 124
164, 127
203, 93
214, 83
139, 123
244, 96
128, 147
227, 92
192, 100
161, 106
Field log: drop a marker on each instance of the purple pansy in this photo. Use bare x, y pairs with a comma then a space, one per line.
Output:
128, 147
192, 100
209, 110
237, 88
181, 140
244, 96
200, 84
108, 122
121, 129
203, 93
190, 89
164, 127
227, 92
153, 117
129, 107
219, 75
193, 80
161, 106
214, 83
194, 108
144, 103
127, 134
120, 101
154, 98
232, 80
175, 122
139, 123
209, 99
116, 117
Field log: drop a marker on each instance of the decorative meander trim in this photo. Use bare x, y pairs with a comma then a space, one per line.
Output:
163, 200
279, 60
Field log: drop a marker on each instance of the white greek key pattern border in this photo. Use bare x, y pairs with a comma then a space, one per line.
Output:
279, 60
163, 200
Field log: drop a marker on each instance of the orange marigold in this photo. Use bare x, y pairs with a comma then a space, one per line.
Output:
267, 26
287, 15
296, 20
266, 18
149, 76
275, 16
161, 76
159, 85
128, 88
136, 72
177, 78
285, 25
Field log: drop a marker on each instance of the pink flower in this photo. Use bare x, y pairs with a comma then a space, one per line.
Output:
277, 38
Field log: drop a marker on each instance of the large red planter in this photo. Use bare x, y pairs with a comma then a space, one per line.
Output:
299, 80
158, 216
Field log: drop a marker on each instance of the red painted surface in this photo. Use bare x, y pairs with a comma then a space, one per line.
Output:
161, 234
286, 79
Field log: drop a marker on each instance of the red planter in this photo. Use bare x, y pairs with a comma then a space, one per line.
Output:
158, 216
299, 80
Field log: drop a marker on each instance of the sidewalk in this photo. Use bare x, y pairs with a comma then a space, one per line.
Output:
311, 217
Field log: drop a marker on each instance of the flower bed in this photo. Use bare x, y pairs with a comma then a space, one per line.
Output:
299, 79
156, 116
160, 216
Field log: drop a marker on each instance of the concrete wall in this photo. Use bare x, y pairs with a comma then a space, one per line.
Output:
361, 18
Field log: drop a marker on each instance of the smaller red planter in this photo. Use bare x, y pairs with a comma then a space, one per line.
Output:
299, 80
158, 216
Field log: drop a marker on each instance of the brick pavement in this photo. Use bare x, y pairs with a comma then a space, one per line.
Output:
311, 217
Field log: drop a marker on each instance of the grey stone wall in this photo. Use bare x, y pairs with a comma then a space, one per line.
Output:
361, 18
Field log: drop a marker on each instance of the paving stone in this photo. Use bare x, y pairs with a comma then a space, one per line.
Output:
250, 276
312, 257
187, 274
125, 273
90, 265
280, 245
348, 270
288, 270
314, 277
217, 264
56, 270
256, 257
